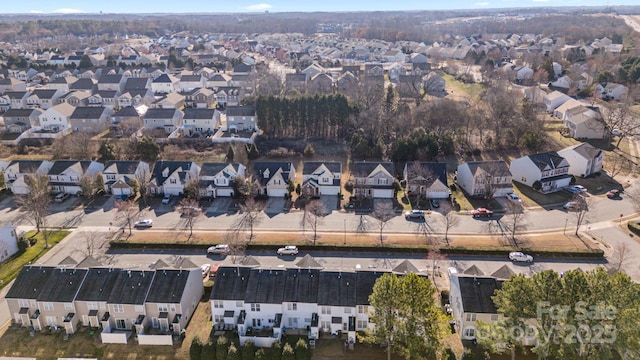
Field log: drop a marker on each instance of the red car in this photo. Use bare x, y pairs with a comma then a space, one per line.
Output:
613, 194
481, 212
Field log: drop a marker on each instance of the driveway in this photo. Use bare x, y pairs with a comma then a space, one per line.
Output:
219, 206
330, 202
274, 206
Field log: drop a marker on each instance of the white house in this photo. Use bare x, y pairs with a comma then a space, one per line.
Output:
555, 99
241, 118
167, 119
583, 159
545, 172
118, 174
272, 177
563, 82
582, 122
373, 180
561, 111
8, 242
216, 179
165, 84
170, 177
321, 178
200, 121
611, 91
65, 175
56, 118
485, 178
17, 170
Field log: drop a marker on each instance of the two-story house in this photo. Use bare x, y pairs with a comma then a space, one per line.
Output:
91, 300
90, 119
16, 121
228, 96
65, 176
13, 100
545, 172
272, 177
112, 82
118, 175
167, 119
170, 177
554, 99
321, 178
43, 98
611, 91
584, 159
126, 302
23, 295
485, 178
200, 121
427, 179
216, 179
241, 118
16, 172
373, 180
164, 84
56, 118
191, 82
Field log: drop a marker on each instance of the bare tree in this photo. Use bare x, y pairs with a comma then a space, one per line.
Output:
143, 178
581, 209
515, 220
615, 163
127, 213
36, 203
236, 246
620, 117
363, 226
250, 213
314, 212
92, 242
424, 231
383, 213
435, 256
419, 177
450, 220
621, 256
190, 211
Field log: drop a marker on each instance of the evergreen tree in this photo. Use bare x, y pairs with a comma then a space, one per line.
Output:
230, 155
252, 152
195, 350
309, 151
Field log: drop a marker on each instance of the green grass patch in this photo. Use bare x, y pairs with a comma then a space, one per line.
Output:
473, 91
11, 268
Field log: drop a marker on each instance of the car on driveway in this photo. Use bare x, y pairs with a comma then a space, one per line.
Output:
414, 215
61, 197
520, 257
576, 189
571, 205
220, 249
288, 250
514, 198
613, 194
481, 212
435, 203
166, 199
146, 223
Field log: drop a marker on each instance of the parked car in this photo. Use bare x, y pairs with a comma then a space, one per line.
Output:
61, 197
414, 214
435, 203
122, 197
481, 212
514, 198
166, 199
205, 270
288, 250
519, 256
146, 223
613, 194
571, 205
616, 132
220, 249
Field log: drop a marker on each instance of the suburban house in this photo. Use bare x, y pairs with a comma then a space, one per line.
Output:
42, 98
545, 172
13, 100
166, 119
65, 176
433, 83
373, 180
321, 178
583, 122
216, 179
611, 91
91, 300
555, 99
485, 178
17, 121
561, 110
228, 96
241, 118
23, 295
90, 119
8, 242
170, 177
584, 159
191, 82
12, 84
56, 118
427, 179
113, 82
470, 299
218, 80
17, 170
272, 177
117, 176
106, 98
200, 121
164, 84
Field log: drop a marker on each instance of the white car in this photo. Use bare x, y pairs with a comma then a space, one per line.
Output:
571, 205
166, 199
514, 197
146, 223
414, 214
519, 256
220, 249
206, 268
288, 250
616, 132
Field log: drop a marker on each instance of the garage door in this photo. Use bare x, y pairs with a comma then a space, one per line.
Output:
383, 193
277, 192
224, 192
329, 190
437, 195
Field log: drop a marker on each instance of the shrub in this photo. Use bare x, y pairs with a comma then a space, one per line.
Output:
208, 351
195, 350
309, 151
348, 186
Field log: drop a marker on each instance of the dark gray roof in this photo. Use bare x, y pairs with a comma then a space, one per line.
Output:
98, 284
26, 166
131, 287
211, 169
61, 165
191, 78
231, 283
476, 293
504, 272
308, 262
15, 94
435, 168
128, 111
308, 167
247, 110
405, 267
259, 168
87, 112
249, 261
164, 78
198, 113
549, 159
338, 288
157, 113
172, 166
242, 67
88, 262
44, 93
301, 285
184, 263
82, 84
29, 282
106, 94
364, 168
109, 79
62, 80
473, 270
136, 84
300, 77
265, 286
493, 167
168, 286
365, 281
121, 166
68, 261
159, 264
62, 285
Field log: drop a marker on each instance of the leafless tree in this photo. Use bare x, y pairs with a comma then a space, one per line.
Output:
74, 146
621, 256
424, 231
250, 216
383, 213
515, 218
435, 256
363, 226
144, 179
92, 242
190, 212
236, 246
314, 212
36, 203
615, 163
619, 116
127, 213
581, 210
419, 177
450, 220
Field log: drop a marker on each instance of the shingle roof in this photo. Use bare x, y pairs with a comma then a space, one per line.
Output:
191, 78
136, 83
82, 84
131, 287
308, 167
549, 159
493, 167
121, 167
29, 282
338, 288
25, 166
504, 272
247, 110
260, 167
88, 112
198, 113
44, 93
62, 285
19, 113
476, 293
265, 286
365, 281
211, 169
168, 286
301, 285
172, 167
61, 165
128, 111
157, 113
364, 168
231, 283
98, 284
109, 79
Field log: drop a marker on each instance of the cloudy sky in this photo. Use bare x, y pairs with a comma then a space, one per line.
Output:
212, 6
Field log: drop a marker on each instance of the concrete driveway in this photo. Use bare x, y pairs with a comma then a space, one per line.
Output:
219, 206
274, 206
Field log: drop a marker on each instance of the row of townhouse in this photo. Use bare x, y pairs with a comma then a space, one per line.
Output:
262, 304
154, 305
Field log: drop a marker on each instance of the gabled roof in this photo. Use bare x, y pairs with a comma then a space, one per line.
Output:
265, 286
62, 285
260, 168
405, 267
121, 167
159, 264
308, 167
191, 78
439, 170
171, 167
44, 93
231, 283
88, 262
164, 78
136, 83
199, 113
549, 159
29, 282
301, 285
492, 167
338, 288
127, 111
25, 166
184, 263
365, 168
168, 286
98, 284
249, 261
503, 272
157, 113
476, 293
246, 110
473, 270
365, 281
586, 150
64, 108
59, 166
109, 79
212, 169
82, 84
88, 112
68, 261
131, 287
308, 262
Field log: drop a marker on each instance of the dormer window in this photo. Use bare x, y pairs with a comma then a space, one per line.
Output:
165, 172
266, 174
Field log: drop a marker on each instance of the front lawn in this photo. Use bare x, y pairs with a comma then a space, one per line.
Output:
10, 269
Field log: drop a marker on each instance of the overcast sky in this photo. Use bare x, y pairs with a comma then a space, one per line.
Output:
214, 6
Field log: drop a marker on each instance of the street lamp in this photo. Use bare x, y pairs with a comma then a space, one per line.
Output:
345, 231
566, 220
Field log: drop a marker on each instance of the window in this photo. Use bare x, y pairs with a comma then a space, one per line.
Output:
326, 325
139, 308
292, 306
118, 308
173, 181
103, 306
325, 310
172, 307
362, 309
255, 307
51, 321
47, 306
92, 305
362, 324
23, 303
121, 324
293, 322
163, 307
347, 310
470, 332
344, 327
217, 304
68, 306
383, 181
239, 304
218, 319
470, 317
494, 317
